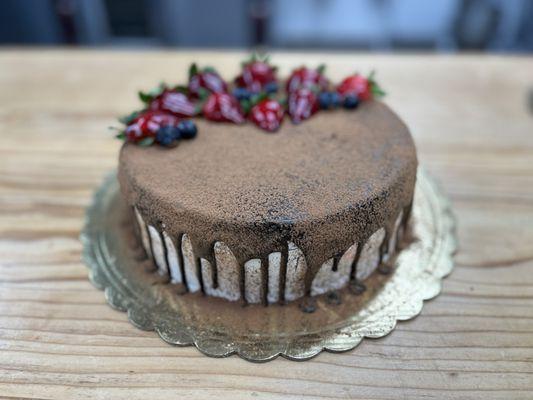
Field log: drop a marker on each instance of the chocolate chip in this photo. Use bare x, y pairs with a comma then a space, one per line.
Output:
308, 305
334, 298
180, 288
149, 266
356, 288
384, 269
140, 254
161, 279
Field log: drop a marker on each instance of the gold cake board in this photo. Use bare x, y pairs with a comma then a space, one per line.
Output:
254, 332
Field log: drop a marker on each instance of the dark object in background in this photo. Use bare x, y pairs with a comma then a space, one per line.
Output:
476, 24
448, 25
128, 17
29, 22
259, 14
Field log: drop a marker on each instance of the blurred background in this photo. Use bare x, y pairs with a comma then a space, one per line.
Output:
381, 25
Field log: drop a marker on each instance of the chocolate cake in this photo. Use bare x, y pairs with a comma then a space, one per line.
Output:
245, 215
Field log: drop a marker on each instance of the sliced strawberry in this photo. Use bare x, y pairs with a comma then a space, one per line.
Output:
267, 115
222, 107
302, 103
147, 123
202, 82
365, 88
173, 102
307, 78
256, 75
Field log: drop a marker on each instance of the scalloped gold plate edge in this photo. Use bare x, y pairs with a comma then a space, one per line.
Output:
417, 275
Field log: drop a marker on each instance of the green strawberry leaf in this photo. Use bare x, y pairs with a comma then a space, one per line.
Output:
121, 135
246, 106
145, 97
256, 57
321, 69
148, 141
203, 93
193, 70
181, 89
210, 69
128, 119
377, 91
198, 107
315, 89
258, 97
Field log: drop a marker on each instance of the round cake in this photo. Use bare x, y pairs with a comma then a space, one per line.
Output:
266, 218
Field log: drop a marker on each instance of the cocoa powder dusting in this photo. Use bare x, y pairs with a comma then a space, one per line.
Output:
324, 184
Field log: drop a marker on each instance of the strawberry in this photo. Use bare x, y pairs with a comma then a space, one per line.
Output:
365, 88
307, 78
202, 82
144, 126
256, 75
302, 103
267, 115
222, 107
173, 102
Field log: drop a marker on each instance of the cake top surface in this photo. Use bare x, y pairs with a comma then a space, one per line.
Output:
303, 172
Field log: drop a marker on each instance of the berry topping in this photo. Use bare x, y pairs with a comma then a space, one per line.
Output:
187, 129
167, 135
350, 102
173, 102
205, 81
267, 115
302, 104
146, 124
222, 107
307, 78
241, 93
328, 100
271, 87
256, 74
256, 96
364, 88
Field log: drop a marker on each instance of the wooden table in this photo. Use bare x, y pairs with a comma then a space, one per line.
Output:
59, 339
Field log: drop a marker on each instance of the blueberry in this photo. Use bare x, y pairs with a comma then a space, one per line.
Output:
166, 135
335, 99
324, 100
187, 129
241, 93
351, 101
271, 87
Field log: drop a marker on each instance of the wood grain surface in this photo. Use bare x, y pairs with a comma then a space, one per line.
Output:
473, 126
